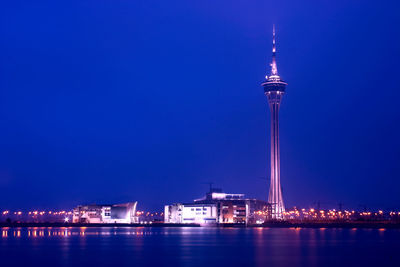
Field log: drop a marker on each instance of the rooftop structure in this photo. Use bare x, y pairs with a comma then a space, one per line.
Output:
217, 194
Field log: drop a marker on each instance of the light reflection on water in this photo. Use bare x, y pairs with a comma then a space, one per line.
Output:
33, 232
75, 246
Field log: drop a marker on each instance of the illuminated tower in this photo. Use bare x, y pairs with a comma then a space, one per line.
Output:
274, 89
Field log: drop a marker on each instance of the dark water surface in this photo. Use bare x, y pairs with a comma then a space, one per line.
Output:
139, 246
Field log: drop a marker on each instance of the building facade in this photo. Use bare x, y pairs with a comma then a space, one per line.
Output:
217, 208
191, 213
117, 213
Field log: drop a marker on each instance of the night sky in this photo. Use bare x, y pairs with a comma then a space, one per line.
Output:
117, 101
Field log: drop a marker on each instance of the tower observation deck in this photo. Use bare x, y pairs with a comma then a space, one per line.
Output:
274, 89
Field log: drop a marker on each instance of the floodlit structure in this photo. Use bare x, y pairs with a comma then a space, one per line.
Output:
117, 213
274, 88
216, 208
191, 213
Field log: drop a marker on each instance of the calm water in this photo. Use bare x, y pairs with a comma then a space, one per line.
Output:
198, 247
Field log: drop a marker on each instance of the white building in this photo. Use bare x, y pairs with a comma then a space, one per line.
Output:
117, 213
216, 207
191, 213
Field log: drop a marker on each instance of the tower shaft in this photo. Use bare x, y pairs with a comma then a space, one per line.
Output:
275, 198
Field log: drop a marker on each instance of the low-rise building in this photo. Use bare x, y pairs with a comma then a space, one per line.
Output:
217, 208
116, 213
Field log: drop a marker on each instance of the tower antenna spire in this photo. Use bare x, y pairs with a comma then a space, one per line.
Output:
274, 69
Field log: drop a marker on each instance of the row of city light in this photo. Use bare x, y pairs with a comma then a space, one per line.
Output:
35, 213
333, 214
65, 213
294, 213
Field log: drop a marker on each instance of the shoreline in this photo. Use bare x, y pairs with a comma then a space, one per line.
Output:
297, 225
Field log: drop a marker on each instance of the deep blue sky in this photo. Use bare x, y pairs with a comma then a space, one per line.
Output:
113, 101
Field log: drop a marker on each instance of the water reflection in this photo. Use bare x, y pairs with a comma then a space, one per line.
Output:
259, 234
35, 232
202, 246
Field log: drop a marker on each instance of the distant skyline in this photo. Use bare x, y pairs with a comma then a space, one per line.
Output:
117, 101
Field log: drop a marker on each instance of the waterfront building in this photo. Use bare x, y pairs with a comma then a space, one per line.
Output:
217, 208
116, 213
274, 88
191, 213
